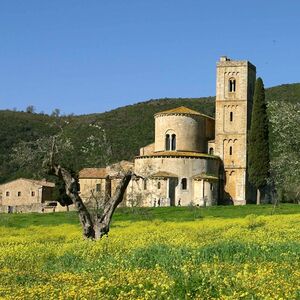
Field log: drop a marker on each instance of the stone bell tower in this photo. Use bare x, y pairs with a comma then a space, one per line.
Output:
234, 96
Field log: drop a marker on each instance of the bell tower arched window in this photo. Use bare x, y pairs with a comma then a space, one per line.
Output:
231, 116
232, 85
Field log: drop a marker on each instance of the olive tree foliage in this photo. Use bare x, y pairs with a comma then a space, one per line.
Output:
285, 163
96, 149
54, 155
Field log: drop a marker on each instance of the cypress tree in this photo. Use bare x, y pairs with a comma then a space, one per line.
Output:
258, 141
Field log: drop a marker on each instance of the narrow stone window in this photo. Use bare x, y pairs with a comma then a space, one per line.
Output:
167, 142
158, 185
231, 116
7, 194
98, 187
145, 184
32, 194
19, 194
232, 85
183, 183
211, 150
173, 142
230, 150
211, 186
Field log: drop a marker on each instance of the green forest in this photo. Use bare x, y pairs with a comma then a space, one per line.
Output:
131, 127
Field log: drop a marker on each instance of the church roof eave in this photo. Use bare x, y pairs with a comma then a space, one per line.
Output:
182, 110
179, 154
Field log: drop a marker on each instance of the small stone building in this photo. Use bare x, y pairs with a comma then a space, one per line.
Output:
26, 195
93, 181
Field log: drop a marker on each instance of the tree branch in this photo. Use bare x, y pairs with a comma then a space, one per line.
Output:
103, 222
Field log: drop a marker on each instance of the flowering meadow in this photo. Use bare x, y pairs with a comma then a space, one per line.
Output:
159, 253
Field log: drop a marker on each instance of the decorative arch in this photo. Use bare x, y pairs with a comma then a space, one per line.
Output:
232, 85
170, 140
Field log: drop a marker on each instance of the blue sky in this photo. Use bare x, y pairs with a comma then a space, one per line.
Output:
85, 56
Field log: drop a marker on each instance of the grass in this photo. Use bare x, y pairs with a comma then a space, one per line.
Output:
248, 252
163, 214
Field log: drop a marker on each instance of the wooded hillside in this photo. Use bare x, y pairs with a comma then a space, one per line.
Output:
128, 128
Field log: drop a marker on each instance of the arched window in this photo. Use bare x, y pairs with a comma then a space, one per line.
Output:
183, 183
173, 142
230, 150
211, 150
19, 194
145, 184
232, 85
7, 194
231, 116
158, 185
167, 142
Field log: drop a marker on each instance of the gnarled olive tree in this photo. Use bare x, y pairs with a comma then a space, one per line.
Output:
51, 155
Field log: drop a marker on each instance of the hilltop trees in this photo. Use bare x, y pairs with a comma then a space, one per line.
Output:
30, 109
258, 147
55, 113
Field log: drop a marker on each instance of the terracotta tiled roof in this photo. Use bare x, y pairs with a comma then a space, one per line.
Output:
205, 177
123, 164
38, 182
43, 182
182, 110
93, 173
179, 154
163, 174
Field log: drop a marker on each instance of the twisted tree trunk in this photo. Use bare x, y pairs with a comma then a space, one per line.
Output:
92, 229
72, 191
102, 222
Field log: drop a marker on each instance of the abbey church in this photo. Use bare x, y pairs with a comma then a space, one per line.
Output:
195, 159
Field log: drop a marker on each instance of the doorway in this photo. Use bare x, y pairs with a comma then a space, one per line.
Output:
173, 182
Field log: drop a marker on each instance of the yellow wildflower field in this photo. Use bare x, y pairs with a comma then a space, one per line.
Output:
247, 257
